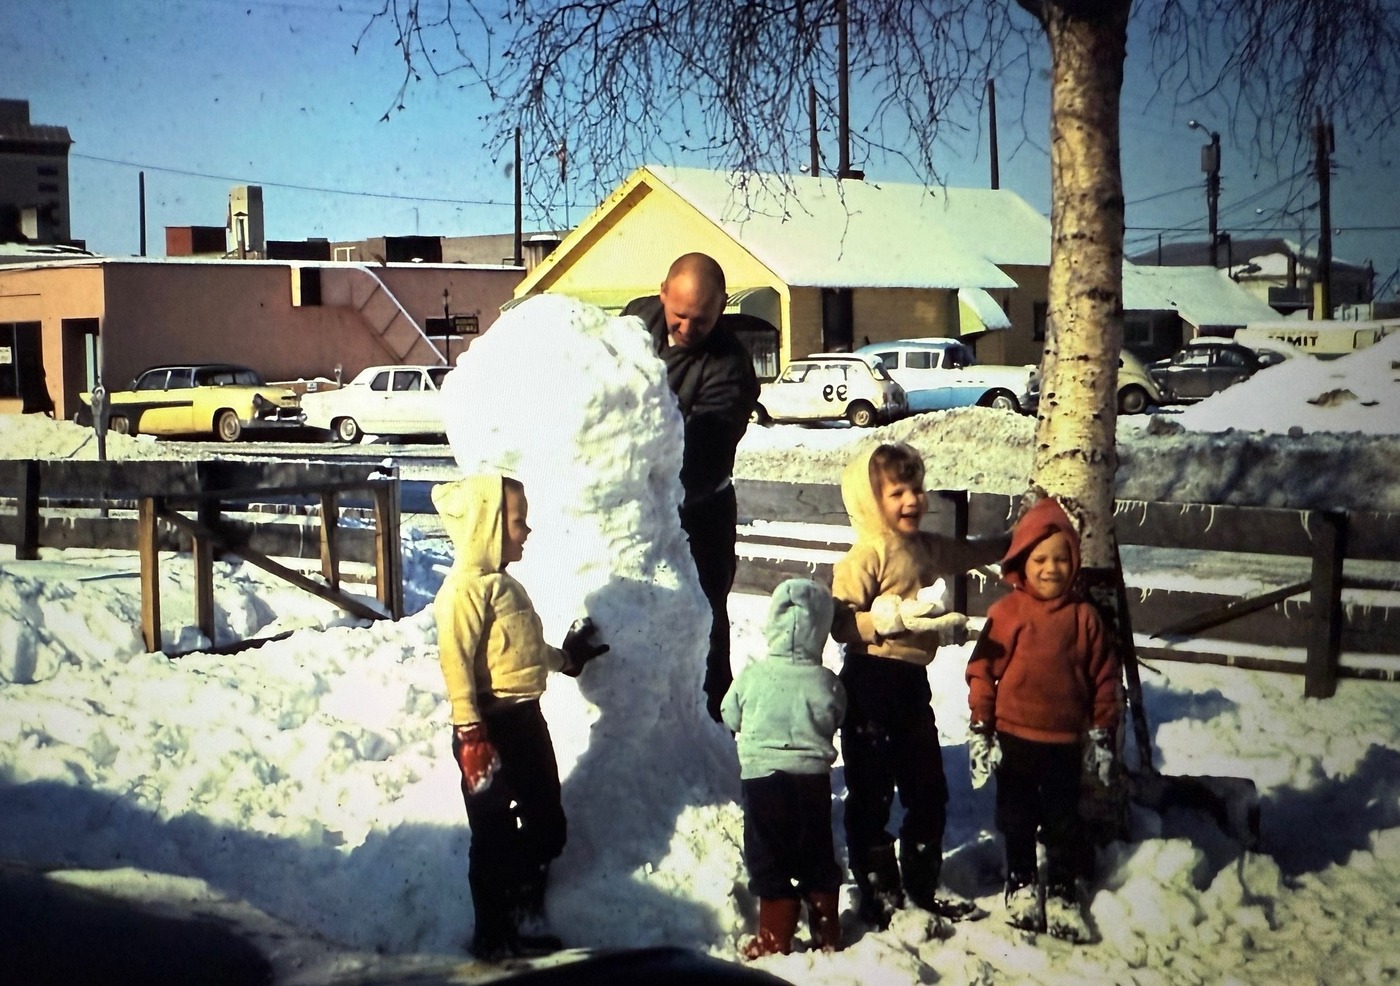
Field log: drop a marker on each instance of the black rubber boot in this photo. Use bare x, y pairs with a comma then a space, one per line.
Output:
877, 878
921, 867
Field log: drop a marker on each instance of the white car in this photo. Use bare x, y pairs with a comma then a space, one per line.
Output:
832, 387
938, 374
381, 400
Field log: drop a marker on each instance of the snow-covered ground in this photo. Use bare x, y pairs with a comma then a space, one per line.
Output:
304, 791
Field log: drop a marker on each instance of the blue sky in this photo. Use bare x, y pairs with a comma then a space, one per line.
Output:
204, 94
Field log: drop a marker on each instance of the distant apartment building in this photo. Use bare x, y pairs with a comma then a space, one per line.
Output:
33, 178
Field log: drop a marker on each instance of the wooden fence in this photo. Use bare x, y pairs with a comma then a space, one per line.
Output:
801, 530
788, 530
200, 508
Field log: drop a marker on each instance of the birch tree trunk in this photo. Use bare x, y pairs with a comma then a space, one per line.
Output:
1075, 454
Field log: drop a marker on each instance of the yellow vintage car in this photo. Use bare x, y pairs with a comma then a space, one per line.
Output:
219, 399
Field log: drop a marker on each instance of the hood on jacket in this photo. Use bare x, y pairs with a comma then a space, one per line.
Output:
1036, 524
471, 511
858, 494
799, 621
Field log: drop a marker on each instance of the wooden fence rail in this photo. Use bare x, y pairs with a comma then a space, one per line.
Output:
794, 529
189, 506
1317, 558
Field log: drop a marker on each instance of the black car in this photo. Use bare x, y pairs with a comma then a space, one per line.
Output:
1203, 369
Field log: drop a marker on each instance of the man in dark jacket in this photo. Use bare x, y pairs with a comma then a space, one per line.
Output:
711, 373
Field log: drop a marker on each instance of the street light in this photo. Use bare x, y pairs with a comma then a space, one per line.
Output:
1210, 164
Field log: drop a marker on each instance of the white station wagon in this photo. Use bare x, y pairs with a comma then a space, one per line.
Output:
381, 400
832, 387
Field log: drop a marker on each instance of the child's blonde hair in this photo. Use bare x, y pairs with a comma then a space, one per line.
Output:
899, 462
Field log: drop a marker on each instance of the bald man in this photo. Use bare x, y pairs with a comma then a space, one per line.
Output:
711, 373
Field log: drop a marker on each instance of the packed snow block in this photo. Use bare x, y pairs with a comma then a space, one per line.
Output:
600, 457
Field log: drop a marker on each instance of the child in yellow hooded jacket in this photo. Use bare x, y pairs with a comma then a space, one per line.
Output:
495, 662
889, 615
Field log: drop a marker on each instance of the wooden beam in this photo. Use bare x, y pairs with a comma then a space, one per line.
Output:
388, 543
149, 552
208, 515
1230, 611
330, 525
1325, 616
351, 604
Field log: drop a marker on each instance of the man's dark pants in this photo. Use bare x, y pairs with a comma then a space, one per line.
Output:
710, 524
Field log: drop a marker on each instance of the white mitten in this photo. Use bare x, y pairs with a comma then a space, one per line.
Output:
1098, 756
983, 753
935, 593
884, 615
944, 625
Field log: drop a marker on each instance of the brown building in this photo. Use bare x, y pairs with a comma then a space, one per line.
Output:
64, 325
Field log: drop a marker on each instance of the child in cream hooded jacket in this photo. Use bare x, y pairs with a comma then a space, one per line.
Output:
891, 634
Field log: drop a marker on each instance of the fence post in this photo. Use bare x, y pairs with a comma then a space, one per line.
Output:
148, 548
1329, 535
207, 514
27, 506
961, 523
330, 523
388, 561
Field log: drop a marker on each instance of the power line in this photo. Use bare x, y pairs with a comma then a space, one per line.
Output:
299, 188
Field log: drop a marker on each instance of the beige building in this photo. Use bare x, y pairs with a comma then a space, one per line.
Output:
831, 264
64, 325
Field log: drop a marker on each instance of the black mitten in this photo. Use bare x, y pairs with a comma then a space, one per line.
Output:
580, 646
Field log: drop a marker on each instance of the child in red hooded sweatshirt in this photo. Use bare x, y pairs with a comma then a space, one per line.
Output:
1044, 694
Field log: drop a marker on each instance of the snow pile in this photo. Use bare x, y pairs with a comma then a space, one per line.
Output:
600, 460
310, 779
1358, 392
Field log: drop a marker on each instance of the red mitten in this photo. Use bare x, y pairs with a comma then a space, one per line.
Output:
476, 757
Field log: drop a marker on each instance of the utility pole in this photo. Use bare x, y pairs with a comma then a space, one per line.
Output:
815, 148
141, 194
992, 132
1210, 164
519, 258
1325, 145
843, 96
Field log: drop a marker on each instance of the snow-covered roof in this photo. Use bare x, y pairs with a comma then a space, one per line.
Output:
1203, 295
821, 232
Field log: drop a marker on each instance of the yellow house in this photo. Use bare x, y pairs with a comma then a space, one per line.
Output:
831, 264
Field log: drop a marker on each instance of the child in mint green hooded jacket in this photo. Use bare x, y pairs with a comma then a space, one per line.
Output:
785, 709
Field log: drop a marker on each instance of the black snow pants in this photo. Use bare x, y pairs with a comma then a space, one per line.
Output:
518, 825
1038, 790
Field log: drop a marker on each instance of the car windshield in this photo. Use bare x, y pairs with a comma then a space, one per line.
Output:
437, 374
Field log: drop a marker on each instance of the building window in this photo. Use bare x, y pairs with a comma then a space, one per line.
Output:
1040, 315
48, 186
22, 365
762, 345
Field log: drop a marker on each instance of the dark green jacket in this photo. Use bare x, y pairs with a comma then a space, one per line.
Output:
716, 388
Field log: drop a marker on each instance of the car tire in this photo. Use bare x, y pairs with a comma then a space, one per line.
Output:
347, 430
120, 424
1132, 400
227, 426
861, 414
1003, 401
760, 415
